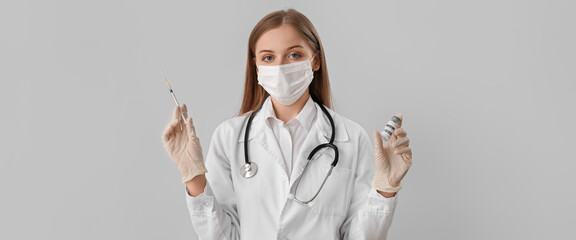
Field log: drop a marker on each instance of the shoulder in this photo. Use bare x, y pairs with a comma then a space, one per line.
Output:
230, 127
356, 133
358, 147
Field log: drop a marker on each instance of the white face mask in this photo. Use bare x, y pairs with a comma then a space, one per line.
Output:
286, 83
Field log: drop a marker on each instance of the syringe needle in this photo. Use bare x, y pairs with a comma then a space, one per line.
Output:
173, 96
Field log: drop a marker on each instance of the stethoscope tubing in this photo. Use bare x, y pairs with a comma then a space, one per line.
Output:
249, 169
329, 144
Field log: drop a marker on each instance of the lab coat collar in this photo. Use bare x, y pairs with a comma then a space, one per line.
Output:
322, 123
305, 118
308, 114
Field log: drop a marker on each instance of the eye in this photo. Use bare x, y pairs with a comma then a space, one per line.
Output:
267, 58
295, 55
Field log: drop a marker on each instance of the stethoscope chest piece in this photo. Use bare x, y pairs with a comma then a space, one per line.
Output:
248, 170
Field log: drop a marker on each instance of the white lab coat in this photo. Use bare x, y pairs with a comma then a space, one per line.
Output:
233, 207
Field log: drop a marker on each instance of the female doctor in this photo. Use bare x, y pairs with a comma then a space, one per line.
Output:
258, 183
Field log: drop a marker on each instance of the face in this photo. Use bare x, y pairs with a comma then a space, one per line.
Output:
283, 45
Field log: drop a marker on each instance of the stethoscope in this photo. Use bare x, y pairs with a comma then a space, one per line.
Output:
249, 169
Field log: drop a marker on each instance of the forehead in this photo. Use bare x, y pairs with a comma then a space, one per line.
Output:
280, 38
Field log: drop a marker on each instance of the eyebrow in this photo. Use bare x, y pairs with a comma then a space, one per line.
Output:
295, 46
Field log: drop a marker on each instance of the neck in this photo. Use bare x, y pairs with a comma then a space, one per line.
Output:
289, 112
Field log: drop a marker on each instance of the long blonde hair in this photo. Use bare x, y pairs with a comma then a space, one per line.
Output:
319, 89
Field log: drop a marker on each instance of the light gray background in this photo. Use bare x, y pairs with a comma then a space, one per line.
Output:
486, 88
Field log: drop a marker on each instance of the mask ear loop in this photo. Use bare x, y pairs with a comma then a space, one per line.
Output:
311, 66
312, 59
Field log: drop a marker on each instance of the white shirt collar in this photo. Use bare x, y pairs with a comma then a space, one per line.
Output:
305, 117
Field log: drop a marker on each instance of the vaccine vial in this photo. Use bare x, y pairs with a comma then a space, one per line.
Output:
389, 128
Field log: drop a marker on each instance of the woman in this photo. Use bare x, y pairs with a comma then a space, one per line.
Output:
272, 195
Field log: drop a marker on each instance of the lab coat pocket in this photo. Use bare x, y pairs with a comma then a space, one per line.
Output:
334, 196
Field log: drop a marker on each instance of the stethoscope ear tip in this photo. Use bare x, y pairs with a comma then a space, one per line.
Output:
290, 196
310, 204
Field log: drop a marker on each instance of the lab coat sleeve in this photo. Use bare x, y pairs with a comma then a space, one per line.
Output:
211, 218
370, 214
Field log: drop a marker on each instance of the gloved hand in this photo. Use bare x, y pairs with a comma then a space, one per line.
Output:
392, 160
183, 146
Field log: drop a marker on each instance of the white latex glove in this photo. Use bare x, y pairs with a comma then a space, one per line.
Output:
183, 146
392, 160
